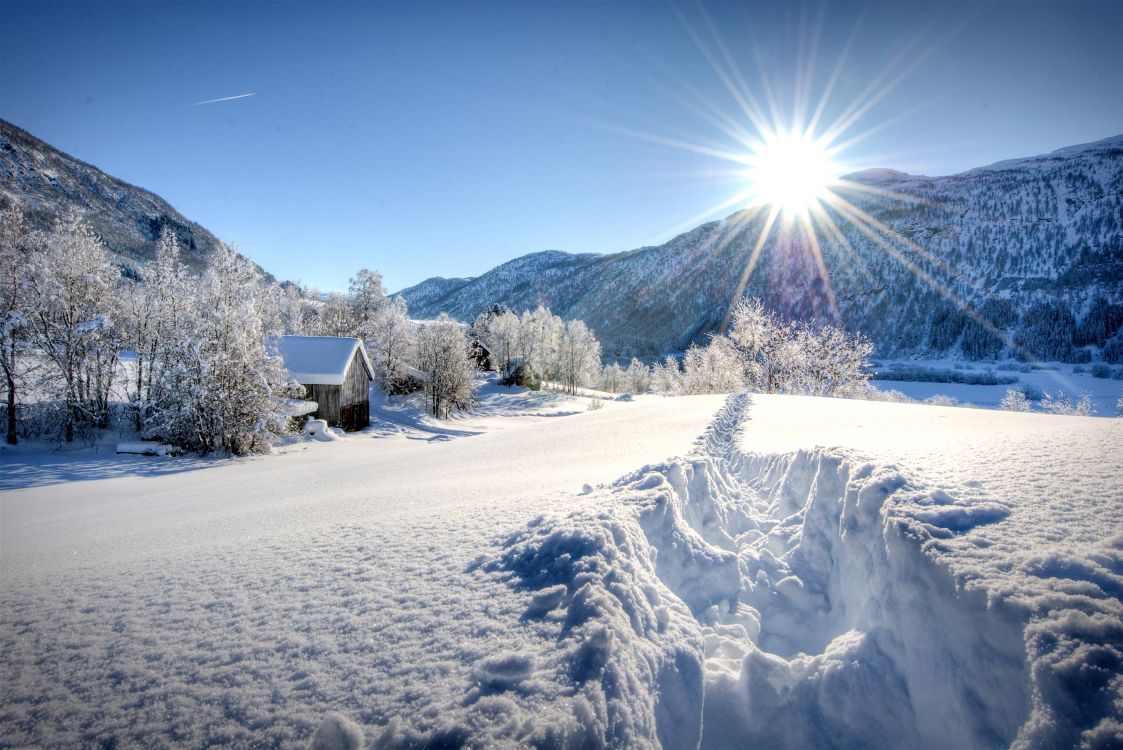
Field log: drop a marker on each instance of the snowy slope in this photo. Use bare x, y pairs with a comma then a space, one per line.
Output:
806, 572
46, 183
1012, 240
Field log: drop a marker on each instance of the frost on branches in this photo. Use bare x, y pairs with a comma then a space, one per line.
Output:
565, 352
70, 304
763, 354
1016, 400
217, 386
442, 356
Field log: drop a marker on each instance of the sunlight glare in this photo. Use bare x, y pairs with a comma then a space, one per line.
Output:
791, 172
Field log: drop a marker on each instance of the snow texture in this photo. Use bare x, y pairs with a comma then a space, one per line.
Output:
319, 360
146, 448
318, 429
933, 577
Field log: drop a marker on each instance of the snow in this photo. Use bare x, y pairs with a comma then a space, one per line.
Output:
318, 360
295, 407
318, 429
1048, 378
146, 448
773, 571
241, 601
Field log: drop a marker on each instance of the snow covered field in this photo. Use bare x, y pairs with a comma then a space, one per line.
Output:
774, 571
1051, 378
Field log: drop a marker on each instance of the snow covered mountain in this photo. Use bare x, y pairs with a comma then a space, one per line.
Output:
1032, 247
48, 183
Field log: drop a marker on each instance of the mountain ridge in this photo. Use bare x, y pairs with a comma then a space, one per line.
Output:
47, 183
1014, 241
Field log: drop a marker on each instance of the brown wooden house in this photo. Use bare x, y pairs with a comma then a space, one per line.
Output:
336, 374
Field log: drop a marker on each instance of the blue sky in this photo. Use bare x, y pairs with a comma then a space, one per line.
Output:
426, 139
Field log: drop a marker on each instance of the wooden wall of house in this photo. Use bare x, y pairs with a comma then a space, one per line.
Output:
327, 398
347, 405
356, 385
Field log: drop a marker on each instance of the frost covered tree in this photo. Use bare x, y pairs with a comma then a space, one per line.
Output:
71, 298
1062, 404
792, 358
612, 379
1015, 400
567, 353
764, 344
499, 328
150, 312
637, 377
218, 387
826, 360
283, 309
665, 376
577, 355
442, 355
391, 341
336, 317
537, 340
15, 270
367, 298
716, 368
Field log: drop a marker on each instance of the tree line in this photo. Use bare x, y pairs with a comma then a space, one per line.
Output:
760, 352
183, 357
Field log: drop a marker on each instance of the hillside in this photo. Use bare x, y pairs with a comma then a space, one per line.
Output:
48, 183
1033, 246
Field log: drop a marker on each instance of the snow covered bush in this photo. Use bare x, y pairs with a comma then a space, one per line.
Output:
665, 376
716, 368
1099, 370
867, 392
1015, 400
611, 378
595, 404
1119, 407
942, 400
637, 377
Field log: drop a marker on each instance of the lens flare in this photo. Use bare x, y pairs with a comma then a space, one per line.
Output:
795, 186
791, 172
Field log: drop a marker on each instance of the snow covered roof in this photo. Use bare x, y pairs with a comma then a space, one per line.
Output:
319, 360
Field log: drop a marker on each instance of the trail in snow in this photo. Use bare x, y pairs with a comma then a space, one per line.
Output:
817, 599
948, 578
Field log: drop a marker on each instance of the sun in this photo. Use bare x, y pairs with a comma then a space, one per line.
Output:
791, 172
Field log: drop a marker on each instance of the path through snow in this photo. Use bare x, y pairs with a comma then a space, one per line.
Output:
932, 578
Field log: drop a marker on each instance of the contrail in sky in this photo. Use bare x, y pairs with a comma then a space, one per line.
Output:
223, 99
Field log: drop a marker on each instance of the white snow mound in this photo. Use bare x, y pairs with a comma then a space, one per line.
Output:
817, 599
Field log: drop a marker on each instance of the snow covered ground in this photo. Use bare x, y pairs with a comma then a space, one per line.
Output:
777, 571
1050, 378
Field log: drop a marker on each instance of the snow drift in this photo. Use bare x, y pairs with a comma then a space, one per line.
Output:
951, 578
807, 600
